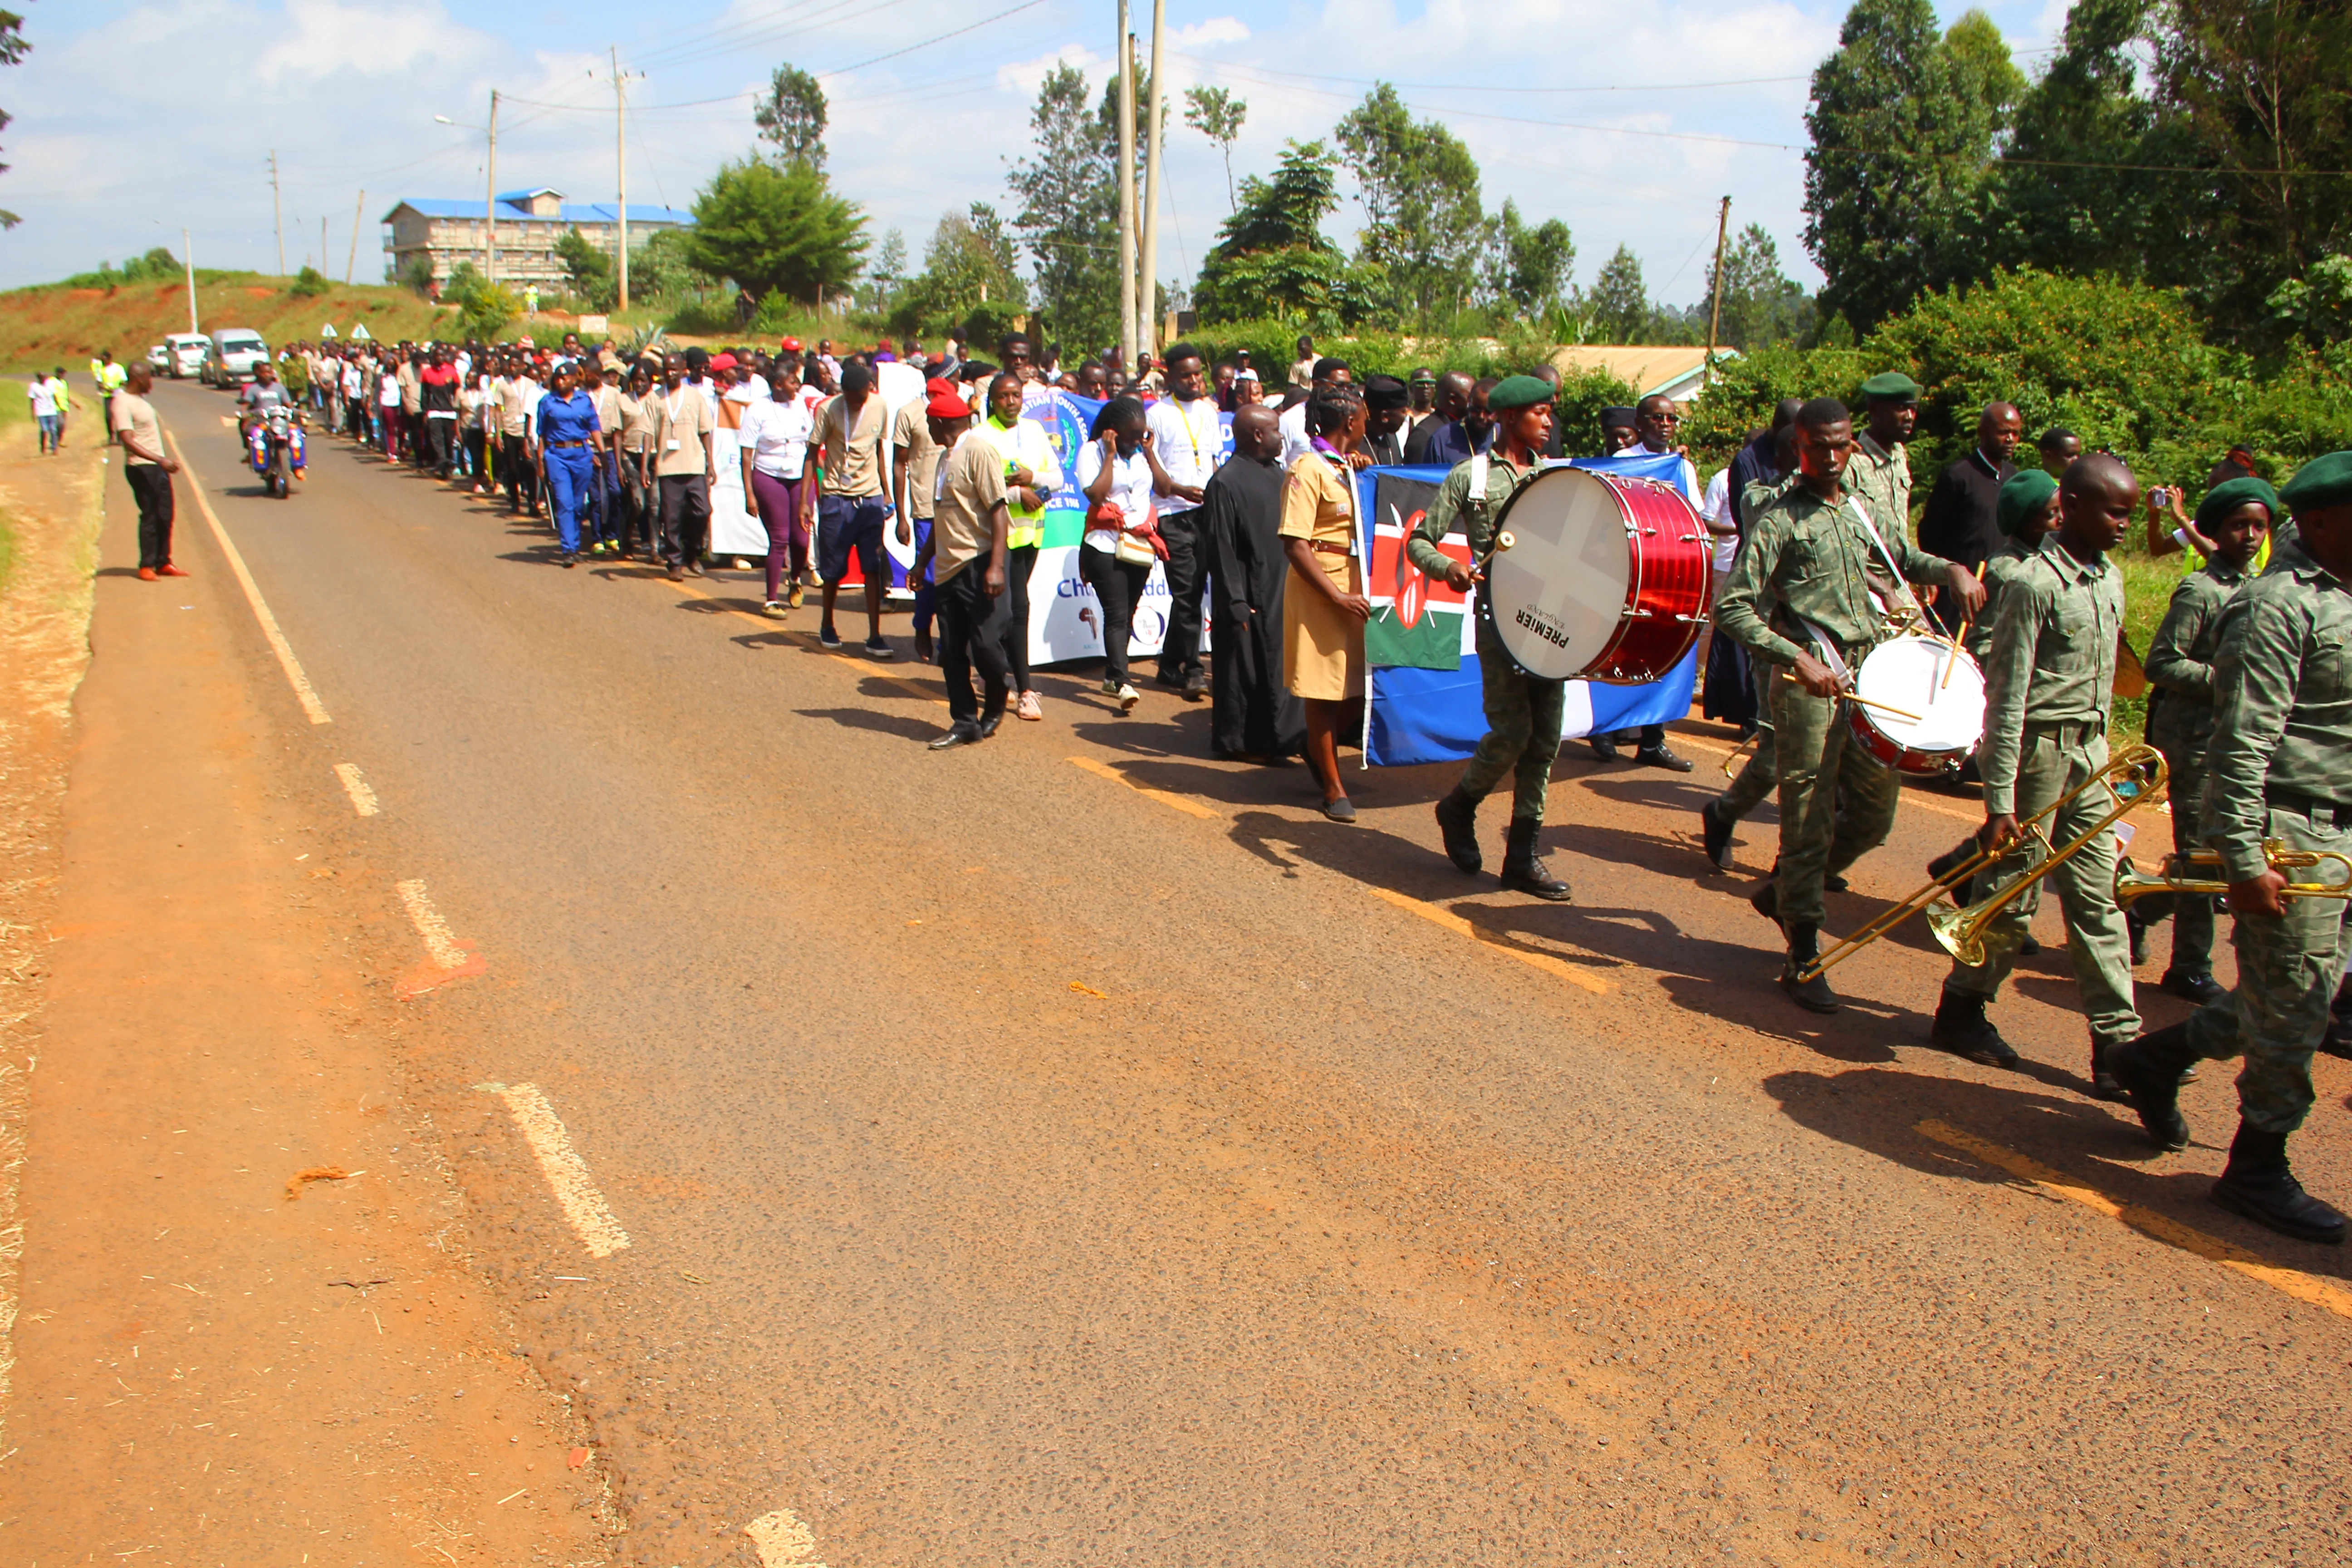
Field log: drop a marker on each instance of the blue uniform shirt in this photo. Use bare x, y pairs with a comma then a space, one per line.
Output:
571, 419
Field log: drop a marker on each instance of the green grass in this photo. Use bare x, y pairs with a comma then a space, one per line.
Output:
2147, 589
16, 408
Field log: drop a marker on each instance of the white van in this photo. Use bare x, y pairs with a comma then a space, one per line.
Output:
236, 351
186, 353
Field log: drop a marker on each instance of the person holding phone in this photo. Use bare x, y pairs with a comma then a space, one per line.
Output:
1118, 473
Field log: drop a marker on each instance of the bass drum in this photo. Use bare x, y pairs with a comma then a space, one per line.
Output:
1607, 577
1906, 675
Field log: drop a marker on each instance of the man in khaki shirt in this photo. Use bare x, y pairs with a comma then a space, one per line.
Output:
148, 469
854, 431
967, 548
684, 468
914, 482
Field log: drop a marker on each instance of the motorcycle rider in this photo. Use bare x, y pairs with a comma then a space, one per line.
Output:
263, 395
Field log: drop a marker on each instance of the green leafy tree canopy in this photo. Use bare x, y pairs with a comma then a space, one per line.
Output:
775, 229
792, 116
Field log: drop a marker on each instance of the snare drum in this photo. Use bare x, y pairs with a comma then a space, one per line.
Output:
1608, 577
1906, 673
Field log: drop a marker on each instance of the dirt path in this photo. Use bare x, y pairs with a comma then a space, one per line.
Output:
217, 1361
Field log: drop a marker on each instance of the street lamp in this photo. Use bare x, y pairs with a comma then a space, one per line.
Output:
490, 192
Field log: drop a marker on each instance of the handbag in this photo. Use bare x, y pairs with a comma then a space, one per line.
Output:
1132, 549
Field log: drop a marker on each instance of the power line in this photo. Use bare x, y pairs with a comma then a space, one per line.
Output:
943, 37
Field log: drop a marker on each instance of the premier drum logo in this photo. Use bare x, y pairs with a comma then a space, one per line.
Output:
1543, 626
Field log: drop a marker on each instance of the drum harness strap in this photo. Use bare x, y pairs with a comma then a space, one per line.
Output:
1826, 646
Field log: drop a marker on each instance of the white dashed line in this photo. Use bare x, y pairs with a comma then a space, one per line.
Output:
782, 1541
303, 694
438, 942
566, 1173
363, 799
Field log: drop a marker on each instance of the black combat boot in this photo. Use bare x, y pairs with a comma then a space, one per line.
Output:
1715, 835
2258, 1186
1522, 871
2103, 1079
1962, 1029
2149, 1069
1813, 995
1457, 820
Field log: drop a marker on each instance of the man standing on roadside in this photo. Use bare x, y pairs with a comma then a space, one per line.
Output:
110, 378
1190, 440
44, 414
149, 471
684, 468
436, 395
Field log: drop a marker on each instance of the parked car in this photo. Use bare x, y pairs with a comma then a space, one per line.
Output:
235, 351
188, 353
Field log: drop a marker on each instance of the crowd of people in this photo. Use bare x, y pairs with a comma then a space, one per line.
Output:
1816, 565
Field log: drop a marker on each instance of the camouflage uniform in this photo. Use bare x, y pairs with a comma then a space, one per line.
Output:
1880, 478
2050, 679
1523, 711
1762, 774
1804, 563
2278, 769
2181, 663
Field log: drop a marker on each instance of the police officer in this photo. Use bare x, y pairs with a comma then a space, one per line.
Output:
1523, 711
2281, 738
564, 441
1799, 601
2236, 516
2049, 683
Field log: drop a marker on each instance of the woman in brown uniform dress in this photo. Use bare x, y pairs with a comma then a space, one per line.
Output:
1324, 609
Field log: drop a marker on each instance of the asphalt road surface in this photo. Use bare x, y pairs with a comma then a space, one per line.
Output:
1073, 1151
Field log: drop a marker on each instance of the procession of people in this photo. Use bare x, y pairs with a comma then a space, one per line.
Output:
1814, 569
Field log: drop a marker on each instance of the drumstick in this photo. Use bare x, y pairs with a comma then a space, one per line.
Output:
1790, 676
1966, 622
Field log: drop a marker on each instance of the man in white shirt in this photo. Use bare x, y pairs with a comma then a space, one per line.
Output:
1190, 440
1656, 421
1296, 444
519, 397
45, 412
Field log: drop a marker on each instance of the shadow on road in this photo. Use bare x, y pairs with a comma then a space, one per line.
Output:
904, 727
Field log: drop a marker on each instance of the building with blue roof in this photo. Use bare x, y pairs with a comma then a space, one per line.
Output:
529, 223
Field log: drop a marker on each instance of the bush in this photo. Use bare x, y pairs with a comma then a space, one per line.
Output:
309, 284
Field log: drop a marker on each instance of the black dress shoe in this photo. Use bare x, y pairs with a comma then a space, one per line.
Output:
990, 722
2197, 988
1602, 747
1833, 883
1659, 757
959, 735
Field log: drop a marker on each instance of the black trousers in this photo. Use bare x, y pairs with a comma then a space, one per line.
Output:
1018, 566
522, 475
437, 443
152, 488
684, 517
972, 632
635, 507
1180, 654
1119, 586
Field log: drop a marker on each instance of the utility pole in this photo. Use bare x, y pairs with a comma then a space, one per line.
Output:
188, 260
351, 262
1126, 193
1715, 311
322, 242
621, 155
277, 209
1148, 283
490, 200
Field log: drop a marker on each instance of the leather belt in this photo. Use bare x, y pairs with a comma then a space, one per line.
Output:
1325, 547
566, 443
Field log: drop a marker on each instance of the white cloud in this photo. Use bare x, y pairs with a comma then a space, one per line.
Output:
1215, 30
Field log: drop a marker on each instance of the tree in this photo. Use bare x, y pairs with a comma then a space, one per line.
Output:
1423, 223
1760, 306
1068, 216
1217, 114
886, 271
1271, 257
969, 280
1902, 142
1528, 269
593, 276
484, 308
774, 228
792, 116
13, 48
662, 269
1619, 304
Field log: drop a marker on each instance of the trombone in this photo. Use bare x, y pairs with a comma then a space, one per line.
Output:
2131, 776
2132, 884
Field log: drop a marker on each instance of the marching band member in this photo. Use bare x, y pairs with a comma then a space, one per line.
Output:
2236, 516
1799, 599
1523, 711
2049, 683
2276, 769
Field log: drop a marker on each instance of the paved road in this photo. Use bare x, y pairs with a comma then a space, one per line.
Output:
1023, 1167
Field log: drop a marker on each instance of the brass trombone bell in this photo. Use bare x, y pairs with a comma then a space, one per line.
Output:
2172, 876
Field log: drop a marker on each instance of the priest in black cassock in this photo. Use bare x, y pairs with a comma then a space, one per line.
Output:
1254, 717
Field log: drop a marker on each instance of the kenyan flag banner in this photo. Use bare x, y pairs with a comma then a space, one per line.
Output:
1418, 622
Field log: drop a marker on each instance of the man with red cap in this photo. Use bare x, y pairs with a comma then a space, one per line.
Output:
965, 549
914, 476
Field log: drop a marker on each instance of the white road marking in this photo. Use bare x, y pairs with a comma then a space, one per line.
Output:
303, 693
438, 942
782, 1541
566, 1173
363, 799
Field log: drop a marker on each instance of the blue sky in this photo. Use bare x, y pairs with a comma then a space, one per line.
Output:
135, 119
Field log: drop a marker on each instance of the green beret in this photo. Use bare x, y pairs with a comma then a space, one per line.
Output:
2226, 498
2020, 498
1518, 392
1894, 383
2323, 481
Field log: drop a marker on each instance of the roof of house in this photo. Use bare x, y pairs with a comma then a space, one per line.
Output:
512, 210
1649, 367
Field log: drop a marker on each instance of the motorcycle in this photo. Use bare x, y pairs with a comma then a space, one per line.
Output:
275, 445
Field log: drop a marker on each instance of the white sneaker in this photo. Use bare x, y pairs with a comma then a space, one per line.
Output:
1028, 707
1127, 698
